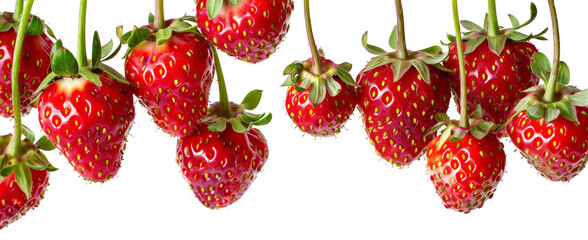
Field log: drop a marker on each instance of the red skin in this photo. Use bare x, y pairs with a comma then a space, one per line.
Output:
220, 166
34, 67
466, 173
88, 124
13, 201
510, 75
251, 31
563, 141
329, 116
396, 127
173, 80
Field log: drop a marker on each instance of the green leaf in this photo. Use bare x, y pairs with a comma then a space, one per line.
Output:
45, 144
317, 92
563, 76
251, 100
218, 126
476, 114
378, 61
437, 59
92, 77
519, 37
473, 43
264, 121
250, 117
64, 63
28, 133
239, 127
345, 66
36, 161
579, 99
106, 49
163, 35
234, 2
96, 50
36, 26
533, 16
333, 87
423, 70
344, 75
24, 178
393, 41
496, 44
433, 50
536, 111
293, 68
214, 7
567, 110
151, 18
551, 113
541, 66
57, 46
45, 82
370, 48
50, 31
6, 171
106, 58
514, 21
136, 36
471, 26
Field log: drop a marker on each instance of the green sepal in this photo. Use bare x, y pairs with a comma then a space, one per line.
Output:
317, 92
473, 43
482, 129
292, 79
251, 100
551, 113
563, 76
3, 159
458, 134
64, 63
263, 121
251, 117
214, 7
567, 111
56, 46
496, 44
342, 71
541, 66
377, 62
536, 111
239, 126
333, 87
234, 2
23, 178
151, 18
134, 37
106, 49
28, 133
579, 99
476, 114
400, 67
36, 160
45, 144
113, 73
217, 126
423, 70
444, 136
370, 48
48, 79
393, 40
7, 170
293, 68
515, 22
469, 25
96, 50
36, 26
92, 77
163, 35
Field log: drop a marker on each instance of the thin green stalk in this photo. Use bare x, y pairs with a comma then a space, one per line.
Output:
225, 109
493, 27
14, 146
463, 120
82, 57
159, 21
550, 89
402, 52
18, 10
318, 65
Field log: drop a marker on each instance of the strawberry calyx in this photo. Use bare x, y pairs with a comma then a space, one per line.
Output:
240, 119
214, 7
433, 56
36, 26
453, 132
304, 75
494, 34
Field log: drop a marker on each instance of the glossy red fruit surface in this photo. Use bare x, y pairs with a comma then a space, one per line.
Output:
220, 166
13, 201
88, 124
250, 31
34, 67
466, 173
398, 115
173, 80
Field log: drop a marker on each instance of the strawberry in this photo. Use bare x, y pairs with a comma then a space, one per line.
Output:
34, 65
171, 77
15, 203
250, 30
399, 98
497, 64
465, 173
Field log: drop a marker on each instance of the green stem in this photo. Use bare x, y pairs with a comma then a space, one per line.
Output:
14, 145
402, 52
82, 57
318, 65
18, 10
550, 89
463, 120
159, 21
225, 109
493, 27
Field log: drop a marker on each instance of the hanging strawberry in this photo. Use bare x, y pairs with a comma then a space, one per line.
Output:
250, 30
549, 125
170, 65
321, 94
225, 153
24, 169
86, 108
465, 163
399, 96
497, 63
34, 65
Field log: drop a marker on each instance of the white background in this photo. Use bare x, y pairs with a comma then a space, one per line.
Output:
310, 188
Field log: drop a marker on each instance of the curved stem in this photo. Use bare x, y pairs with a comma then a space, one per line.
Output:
82, 57
463, 120
402, 52
493, 27
225, 109
18, 10
318, 65
159, 21
14, 146
550, 89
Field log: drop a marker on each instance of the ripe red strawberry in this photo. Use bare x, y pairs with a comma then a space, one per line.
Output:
398, 115
494, 82
87, 123
173, 80
466, 173
34, 67
13, 201
327, 117
556, 149
220, 166
248, 29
